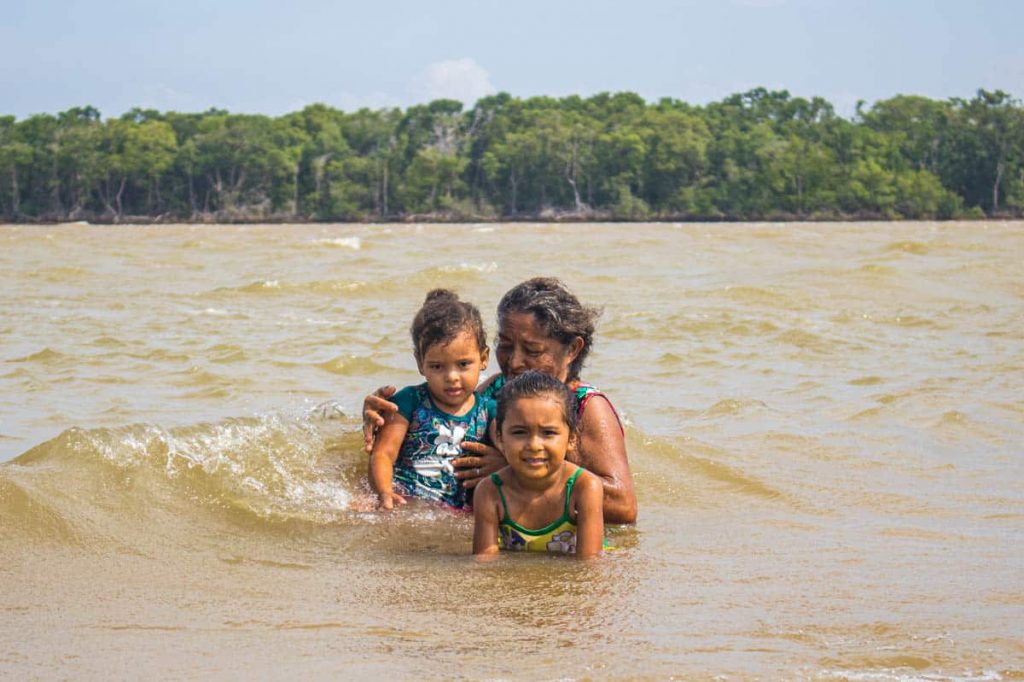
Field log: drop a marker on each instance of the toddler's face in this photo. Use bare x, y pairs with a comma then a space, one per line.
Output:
453, 370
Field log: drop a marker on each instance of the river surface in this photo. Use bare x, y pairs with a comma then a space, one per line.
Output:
825, 424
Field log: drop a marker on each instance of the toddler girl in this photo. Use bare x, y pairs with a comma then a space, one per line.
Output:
413, 453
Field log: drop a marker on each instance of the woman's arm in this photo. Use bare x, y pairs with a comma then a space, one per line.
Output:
485, 520
602, 451
589, 495
382, 460
376, 408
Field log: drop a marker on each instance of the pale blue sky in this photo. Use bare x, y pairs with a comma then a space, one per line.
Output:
275, 56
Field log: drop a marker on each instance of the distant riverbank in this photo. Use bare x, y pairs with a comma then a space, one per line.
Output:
555, 217
757, 156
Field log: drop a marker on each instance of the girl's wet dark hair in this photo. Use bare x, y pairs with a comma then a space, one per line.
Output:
558, 313
441, 318
533, 384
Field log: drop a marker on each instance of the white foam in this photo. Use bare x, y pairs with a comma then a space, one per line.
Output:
253, 484
354, 243
472, 267
329, 409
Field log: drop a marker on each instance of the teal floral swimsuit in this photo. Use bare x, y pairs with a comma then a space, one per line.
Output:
434, 439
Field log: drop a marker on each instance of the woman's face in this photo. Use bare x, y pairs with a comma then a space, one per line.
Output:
523, 345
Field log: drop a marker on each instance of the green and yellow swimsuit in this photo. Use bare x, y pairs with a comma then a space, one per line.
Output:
558, 537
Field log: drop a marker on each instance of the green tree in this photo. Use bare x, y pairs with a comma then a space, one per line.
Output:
992, 139
920, 194
136, 154
79, 159
373, 136
248, 163
431, 138
757, 154
676, 163
918, 128
15, 156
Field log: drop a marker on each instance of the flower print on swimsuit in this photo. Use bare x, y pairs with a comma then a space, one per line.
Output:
447, 445
433, 467
511, 540
449, 441
563, 543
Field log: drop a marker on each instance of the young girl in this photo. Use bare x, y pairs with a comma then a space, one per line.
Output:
413, 453
539, 502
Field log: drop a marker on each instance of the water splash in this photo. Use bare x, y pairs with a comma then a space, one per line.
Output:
269, 467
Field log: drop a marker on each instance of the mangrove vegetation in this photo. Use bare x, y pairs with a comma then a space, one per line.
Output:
752, 156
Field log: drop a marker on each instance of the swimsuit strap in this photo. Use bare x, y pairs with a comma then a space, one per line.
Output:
496, 479
568, 492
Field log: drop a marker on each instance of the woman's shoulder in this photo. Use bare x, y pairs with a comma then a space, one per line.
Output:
489, 389
584, 389
594, 409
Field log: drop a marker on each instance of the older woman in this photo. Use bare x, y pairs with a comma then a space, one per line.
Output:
543, 326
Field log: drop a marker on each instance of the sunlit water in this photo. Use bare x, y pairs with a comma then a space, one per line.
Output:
825, 424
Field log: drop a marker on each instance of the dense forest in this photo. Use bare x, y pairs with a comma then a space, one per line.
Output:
757, 155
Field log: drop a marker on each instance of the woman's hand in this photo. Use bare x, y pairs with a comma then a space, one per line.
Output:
478, 462
375, 409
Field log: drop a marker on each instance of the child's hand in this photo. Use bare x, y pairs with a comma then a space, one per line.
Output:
390, 500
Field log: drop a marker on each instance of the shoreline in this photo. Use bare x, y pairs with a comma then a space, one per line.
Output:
545, 217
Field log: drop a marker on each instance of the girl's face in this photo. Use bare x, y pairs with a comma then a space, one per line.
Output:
522, 345
453, 370
535, 438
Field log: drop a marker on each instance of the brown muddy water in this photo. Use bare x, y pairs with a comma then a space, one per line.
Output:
825, 423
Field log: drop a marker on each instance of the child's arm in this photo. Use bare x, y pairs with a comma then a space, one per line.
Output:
382, 459
589, 494
485, 519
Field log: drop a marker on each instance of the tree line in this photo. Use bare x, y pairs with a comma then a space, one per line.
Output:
752, 156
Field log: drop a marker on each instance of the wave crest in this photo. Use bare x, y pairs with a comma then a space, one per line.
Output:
264, 469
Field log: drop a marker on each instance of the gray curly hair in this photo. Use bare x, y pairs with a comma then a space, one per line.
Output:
558, 312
